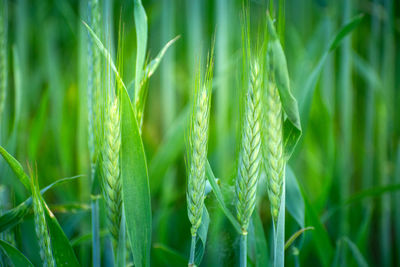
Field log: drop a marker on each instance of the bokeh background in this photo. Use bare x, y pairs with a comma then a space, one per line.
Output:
347, 162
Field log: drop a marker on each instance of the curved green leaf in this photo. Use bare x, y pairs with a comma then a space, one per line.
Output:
168, 256
170, 149
257, 243
105, 53
294, 199
16, 168
15, 256
278, 66
63, 252
320, 235
201, 239
340, 254
305, 102
16, 215
348, 28
135, 185
296, 235
153, 65
218, 195
141, 42
358, 257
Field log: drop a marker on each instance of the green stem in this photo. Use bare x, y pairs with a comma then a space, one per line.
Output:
95, 233
243, 250
192, 250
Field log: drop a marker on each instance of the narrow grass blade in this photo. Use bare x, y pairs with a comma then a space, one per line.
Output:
16, 215
358, 257
345, 30
16, 168
220, 199
17, 89
15, 256
201, 239
257, 243
141, 42
86, 238
169, 150
135, 185
105, 53
63, 252
294, 199
153, 65
305, 101
376, 191
296, 235
277, 60
320, 235
168, 256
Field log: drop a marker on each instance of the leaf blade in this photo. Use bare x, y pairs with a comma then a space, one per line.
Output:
135, 185
16, 257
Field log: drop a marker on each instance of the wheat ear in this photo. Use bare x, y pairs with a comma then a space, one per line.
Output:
111, 169
197, 151
250, 156
40, 224
275, 163
198, 146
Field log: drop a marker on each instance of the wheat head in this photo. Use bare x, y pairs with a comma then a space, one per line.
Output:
275, 163
111, 169
250, 156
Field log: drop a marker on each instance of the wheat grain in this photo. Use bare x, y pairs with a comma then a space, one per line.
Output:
198, 142
198, 145
275, 163
111, 169
250, 156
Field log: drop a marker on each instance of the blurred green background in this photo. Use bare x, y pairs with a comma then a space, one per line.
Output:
347, 161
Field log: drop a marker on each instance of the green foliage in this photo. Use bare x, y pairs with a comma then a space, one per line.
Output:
324, 195
135, 184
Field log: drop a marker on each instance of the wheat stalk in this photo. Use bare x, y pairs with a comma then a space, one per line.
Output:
111, 169
250, 156
40, 224
94, 86
275, 163
3, 54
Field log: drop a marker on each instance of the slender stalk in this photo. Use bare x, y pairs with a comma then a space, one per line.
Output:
368, 160
243, 250
95, 233
345, 121
384, 129
95, 122
3, 56
192, 251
